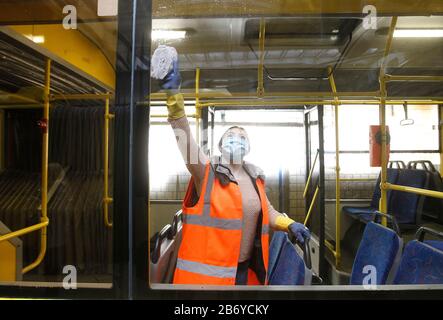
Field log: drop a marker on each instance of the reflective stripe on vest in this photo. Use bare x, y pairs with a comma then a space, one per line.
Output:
206, 269
205, 219
226, 224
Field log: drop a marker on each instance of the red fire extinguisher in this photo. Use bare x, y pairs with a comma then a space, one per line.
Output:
375, 145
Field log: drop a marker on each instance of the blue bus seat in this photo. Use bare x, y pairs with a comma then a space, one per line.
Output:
365, 213
160, 256
437, 244
423, 231
380, 247
286, 265
275, 247
432, 207
407, 207
420, 264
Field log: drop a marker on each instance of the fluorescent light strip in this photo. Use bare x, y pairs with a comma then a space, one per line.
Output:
167, 34
36, 39
418, 33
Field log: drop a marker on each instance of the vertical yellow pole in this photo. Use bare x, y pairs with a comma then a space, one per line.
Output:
197, 104
261, 43
106, 198
44, 178
337, 172
382, 118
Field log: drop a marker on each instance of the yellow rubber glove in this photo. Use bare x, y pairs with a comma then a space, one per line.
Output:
176, 106
282, 223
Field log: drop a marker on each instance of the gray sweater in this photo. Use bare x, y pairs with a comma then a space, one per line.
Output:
196, 160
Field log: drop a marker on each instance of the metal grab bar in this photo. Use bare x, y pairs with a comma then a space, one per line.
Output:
308, 181
311, 206
21, 232
355, 179
261, 44
337, 170
294, 102
330, 246
106, 198
383, 206
422, 192
157, 96
45, 158
389, 78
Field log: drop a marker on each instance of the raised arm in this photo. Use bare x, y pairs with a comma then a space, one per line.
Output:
192, 154
194, 158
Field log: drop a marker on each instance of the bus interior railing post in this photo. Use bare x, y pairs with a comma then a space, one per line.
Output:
382, 118
337, 252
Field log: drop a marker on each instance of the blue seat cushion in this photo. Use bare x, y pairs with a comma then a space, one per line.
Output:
420, 264
391, 177
359, 210
379, 248
404, 205
363, 213
366, 213
435, 243
289, 269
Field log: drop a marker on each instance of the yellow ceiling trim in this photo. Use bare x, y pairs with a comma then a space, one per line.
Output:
71, 46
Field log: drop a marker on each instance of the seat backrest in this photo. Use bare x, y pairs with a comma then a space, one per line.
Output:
432, 207
161, 256
289, 268
405, 206
437, 244
392, 176
420, 264
275, 247
177, 226
380, 247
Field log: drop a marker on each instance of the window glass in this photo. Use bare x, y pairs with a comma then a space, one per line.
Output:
271, 85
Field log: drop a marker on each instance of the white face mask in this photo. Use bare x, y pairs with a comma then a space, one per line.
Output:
234, 147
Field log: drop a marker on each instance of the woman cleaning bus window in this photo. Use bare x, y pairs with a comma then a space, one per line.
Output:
227, 214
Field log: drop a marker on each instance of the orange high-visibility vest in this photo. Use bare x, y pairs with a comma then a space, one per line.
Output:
212, 231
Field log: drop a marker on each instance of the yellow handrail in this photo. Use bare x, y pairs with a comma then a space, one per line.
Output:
311, 206
23, 231
308, 182
330, 246
382, 110
295, 102
166, 115
81, 96
422, 192
337, 171
389, 77
354, 179
106, 198
45, 147
261, 44
237, 95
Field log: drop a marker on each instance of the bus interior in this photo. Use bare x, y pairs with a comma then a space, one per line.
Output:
308, 82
